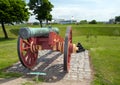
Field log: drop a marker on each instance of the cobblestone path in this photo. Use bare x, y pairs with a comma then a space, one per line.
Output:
52, 64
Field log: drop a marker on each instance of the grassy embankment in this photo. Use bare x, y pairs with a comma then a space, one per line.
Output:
101, 40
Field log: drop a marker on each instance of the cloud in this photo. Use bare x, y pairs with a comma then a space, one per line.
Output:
100, 10
84, 13
32, 19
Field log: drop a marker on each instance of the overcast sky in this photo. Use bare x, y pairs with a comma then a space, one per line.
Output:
100, 10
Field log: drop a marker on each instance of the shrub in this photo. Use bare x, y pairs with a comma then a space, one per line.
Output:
93, 22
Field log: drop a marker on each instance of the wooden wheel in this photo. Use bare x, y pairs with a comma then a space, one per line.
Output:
67, 49
27, 57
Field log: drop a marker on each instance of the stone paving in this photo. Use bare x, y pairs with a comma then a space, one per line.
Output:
80, 67
51, 63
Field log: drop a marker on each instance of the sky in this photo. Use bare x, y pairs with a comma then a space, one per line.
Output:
100, 10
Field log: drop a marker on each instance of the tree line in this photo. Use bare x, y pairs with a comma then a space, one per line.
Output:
115, 20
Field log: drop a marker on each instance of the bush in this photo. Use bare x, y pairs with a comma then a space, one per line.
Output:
93, 22
36, 23
83, 22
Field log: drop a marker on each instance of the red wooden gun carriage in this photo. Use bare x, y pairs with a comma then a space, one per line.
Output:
32, 40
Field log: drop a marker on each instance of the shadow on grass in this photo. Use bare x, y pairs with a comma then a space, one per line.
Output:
9, 74
14, 31
4, 39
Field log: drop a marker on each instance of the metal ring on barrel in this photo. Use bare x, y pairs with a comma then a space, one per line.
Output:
27, 58
67, 49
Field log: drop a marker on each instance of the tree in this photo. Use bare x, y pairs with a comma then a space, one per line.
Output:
83, 22
41, 11
49, 18
93, 22
12, 11
117, 19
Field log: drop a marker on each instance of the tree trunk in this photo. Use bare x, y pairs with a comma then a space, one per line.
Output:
41, 23
46, 22
4, 31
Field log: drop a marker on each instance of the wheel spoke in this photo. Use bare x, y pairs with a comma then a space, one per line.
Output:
30, 59
30, 40
26, 55
27, 43
27, 58
25, 48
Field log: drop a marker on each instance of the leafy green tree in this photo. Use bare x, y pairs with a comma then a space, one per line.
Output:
83, 22
93, 22
49, 18
41, 11
117, 19
12, 11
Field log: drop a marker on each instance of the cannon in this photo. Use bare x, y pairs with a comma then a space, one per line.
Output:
32, 40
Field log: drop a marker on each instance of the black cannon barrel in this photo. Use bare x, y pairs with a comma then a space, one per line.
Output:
26, 33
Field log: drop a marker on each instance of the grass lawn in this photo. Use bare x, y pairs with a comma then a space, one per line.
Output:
101, 40
105, 56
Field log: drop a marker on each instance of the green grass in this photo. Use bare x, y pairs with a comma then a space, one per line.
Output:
8, 56
8, 53
27, 83
9, 74
101, 40
105, 56
99, 29
8, 50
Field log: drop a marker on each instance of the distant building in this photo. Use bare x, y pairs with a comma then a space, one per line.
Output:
62, 21
68, 22
111, 21
57, 20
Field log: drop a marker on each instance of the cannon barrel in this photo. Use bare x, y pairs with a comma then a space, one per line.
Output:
26, 33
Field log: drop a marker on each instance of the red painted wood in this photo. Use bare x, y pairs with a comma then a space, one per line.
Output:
27, 57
